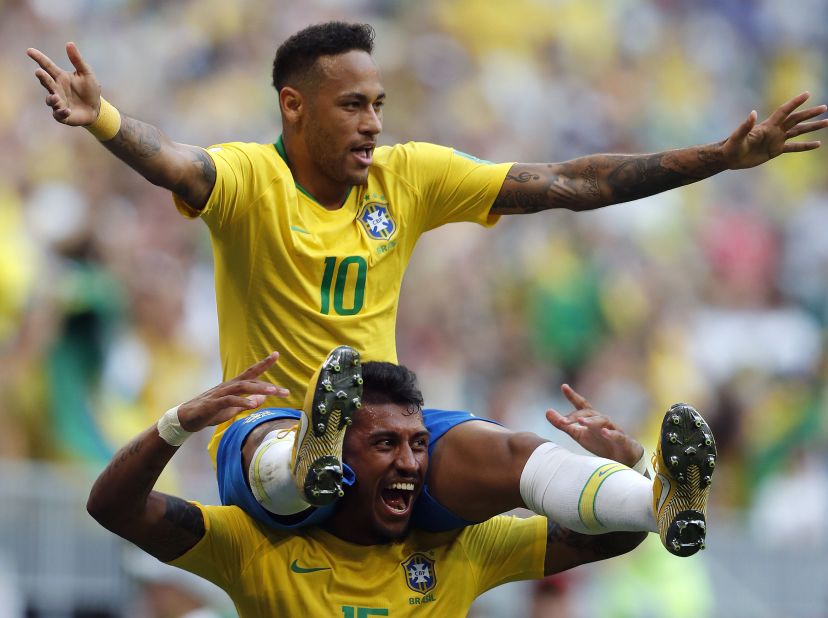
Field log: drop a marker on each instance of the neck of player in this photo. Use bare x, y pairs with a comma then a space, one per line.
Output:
328, 192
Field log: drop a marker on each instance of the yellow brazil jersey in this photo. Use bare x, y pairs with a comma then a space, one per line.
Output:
313, 573
297, 278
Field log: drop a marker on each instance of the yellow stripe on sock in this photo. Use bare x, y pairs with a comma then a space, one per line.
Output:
586, 502
257, 480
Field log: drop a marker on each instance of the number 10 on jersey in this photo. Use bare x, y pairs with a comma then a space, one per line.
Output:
335, 283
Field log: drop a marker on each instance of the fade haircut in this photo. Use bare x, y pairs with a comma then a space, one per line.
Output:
297, 56
389, 383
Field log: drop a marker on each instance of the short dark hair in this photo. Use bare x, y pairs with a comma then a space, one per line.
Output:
390, 383
297, 55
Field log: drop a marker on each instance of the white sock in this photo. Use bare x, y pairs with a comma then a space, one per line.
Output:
586, 494
270, 474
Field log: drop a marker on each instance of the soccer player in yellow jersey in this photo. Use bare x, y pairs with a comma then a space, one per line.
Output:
365, 560
311, 236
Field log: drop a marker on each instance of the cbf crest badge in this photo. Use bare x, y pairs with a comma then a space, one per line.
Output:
419, 573
376, 219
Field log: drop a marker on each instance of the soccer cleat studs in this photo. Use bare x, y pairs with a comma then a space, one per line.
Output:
681, 489
334, 394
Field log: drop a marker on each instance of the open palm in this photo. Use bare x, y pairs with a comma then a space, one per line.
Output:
752, 144
74, 96
594, 431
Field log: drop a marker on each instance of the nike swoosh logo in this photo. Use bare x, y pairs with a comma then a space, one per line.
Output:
609, 468
298, 569
296, 228
663, 495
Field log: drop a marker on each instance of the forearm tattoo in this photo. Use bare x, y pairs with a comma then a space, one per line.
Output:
121, 457
592, 547
593, 544
135, 140
599, 180
145, 148
590, 178
640, 177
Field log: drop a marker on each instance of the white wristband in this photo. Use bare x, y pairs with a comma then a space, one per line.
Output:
641, 465
170, 430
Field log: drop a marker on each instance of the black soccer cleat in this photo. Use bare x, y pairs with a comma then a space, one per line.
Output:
334, 394
684, 462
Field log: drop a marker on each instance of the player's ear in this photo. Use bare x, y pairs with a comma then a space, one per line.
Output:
291, 104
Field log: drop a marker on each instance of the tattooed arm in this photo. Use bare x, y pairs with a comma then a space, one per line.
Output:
188, 171
566, 549
599, 180
75, 100
122, 499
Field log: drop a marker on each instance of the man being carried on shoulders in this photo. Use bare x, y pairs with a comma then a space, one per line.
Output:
365, 555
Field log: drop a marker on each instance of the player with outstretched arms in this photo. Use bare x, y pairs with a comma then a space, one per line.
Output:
311, 237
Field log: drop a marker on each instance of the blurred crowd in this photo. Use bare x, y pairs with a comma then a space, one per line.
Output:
715, 294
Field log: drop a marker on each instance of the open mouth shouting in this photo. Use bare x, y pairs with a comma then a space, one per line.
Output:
398, 498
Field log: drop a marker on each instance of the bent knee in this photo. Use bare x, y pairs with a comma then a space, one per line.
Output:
521, 445
255, 437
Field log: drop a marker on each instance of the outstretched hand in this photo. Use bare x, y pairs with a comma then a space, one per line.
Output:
223, 402
594, 431
73, 96
752, 144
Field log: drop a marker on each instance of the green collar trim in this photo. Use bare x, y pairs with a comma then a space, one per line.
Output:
280, 148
